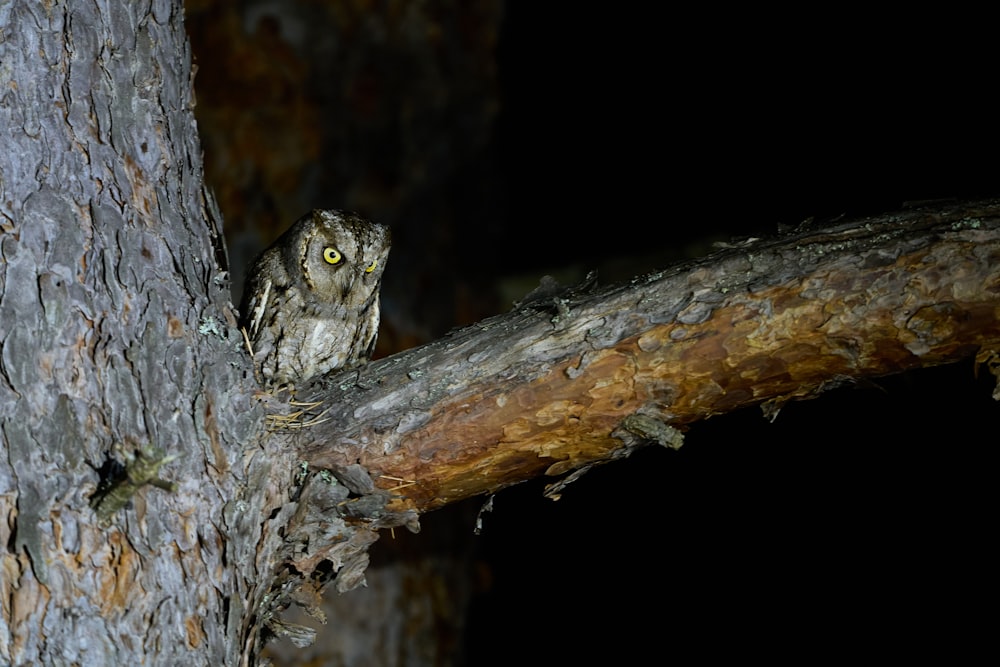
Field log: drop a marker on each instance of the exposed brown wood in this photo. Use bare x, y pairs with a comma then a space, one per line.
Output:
542, 389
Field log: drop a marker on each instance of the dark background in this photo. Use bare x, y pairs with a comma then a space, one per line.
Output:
504, 141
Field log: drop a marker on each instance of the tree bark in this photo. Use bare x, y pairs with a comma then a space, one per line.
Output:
568, 380
120, 364
117, 339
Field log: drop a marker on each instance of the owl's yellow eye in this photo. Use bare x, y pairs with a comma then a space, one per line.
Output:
331, 255
371, 267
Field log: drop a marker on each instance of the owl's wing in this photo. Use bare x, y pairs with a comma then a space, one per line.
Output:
257, 305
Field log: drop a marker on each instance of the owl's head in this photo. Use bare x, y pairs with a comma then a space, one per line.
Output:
339, 256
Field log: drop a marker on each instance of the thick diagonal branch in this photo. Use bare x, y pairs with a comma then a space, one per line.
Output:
542, 389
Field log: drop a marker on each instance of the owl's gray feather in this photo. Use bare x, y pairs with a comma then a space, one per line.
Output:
311, 300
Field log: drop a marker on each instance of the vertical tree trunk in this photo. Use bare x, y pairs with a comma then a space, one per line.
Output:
117, 344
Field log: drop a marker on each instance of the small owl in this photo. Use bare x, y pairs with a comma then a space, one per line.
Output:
311, 301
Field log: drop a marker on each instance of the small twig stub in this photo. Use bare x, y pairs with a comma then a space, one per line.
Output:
140, 470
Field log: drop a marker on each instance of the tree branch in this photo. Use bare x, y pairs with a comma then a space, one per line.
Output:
544, 388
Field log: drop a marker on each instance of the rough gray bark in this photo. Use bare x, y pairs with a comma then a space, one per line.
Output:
117, 336
118, 346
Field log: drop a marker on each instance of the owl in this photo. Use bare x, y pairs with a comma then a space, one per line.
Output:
311, 301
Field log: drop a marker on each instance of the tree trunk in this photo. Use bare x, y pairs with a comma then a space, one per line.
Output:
158, 508
118, 344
